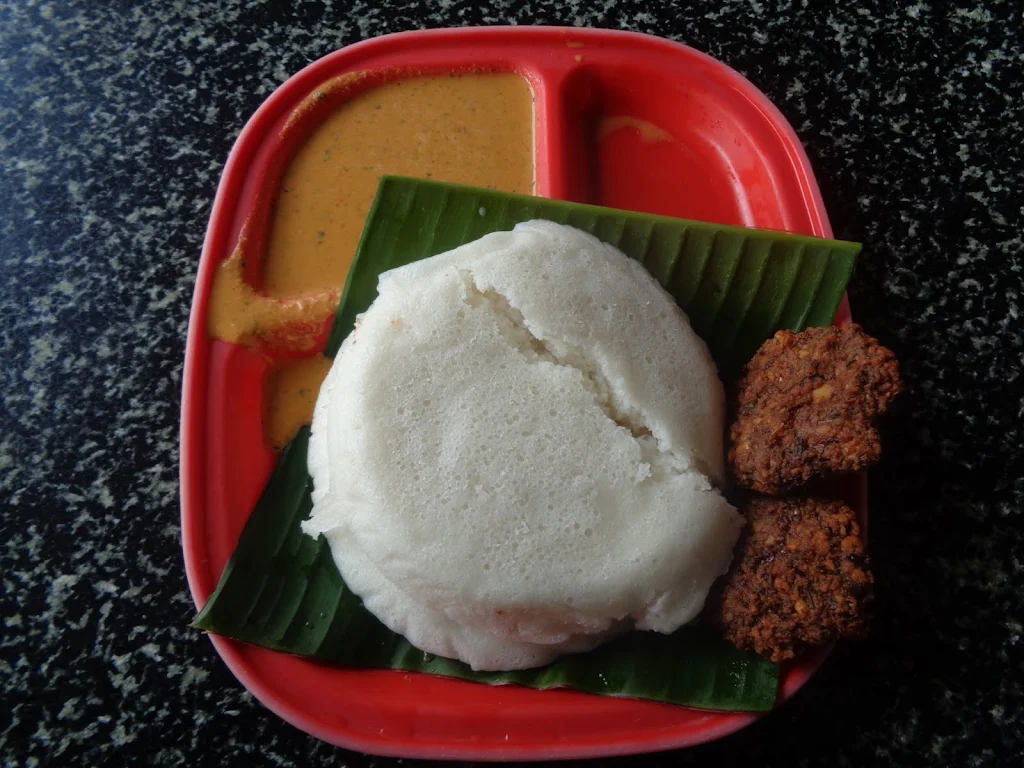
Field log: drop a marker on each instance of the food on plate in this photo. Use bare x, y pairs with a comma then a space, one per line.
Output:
806, 407
799, 578
239, 313
471, 129
280, 287
281, 589
516, 452
291, 387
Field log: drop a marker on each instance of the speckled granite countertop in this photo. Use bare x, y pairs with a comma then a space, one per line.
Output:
115, 121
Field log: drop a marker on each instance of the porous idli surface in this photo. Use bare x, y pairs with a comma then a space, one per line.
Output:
515, 453
430, 629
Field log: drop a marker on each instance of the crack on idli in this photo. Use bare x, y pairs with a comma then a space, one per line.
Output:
656, 463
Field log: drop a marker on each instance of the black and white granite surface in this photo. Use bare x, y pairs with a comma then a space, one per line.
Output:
115, 121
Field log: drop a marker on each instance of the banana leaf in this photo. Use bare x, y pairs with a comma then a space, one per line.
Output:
281, 589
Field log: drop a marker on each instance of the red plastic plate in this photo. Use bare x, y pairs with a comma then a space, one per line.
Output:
734, 160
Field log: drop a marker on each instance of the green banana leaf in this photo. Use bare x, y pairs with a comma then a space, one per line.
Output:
737, 285
281, 589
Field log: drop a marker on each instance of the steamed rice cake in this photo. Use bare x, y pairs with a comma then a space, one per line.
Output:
515, 453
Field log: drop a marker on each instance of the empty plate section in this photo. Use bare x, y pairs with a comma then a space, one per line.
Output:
650, 138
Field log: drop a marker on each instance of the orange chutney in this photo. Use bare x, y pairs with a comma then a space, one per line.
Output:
471, 128
291, 388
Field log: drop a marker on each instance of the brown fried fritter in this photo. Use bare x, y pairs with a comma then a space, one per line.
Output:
798, 578
806, 406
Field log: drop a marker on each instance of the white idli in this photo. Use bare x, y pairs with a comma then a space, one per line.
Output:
513, 454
